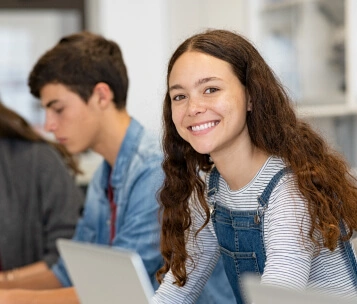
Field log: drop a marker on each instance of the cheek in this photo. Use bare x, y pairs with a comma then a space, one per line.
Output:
176, 116
176, 124
84, 117
177, 120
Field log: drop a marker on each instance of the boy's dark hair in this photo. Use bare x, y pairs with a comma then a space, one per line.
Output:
80, 61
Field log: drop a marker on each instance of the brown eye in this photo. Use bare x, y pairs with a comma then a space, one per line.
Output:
178, 97
211, 90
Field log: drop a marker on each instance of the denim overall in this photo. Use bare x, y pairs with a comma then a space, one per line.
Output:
240, 236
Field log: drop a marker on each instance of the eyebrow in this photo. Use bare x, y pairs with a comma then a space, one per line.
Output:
51, 103
197, 83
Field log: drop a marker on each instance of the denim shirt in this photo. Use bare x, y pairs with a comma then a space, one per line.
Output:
135, 179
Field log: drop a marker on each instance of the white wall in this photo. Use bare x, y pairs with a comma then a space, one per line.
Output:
351, 49
24, 37
149, 31
140, 29
187, 17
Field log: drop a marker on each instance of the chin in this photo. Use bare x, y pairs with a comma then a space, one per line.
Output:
73, 150
201, 150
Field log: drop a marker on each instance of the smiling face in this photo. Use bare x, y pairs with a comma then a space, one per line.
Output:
209, 104
74, 122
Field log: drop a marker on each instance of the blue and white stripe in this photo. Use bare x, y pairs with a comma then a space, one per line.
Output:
293, 260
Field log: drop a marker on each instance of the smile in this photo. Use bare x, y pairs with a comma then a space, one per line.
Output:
204, 126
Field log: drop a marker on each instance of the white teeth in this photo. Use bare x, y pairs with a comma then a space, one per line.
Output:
204, 126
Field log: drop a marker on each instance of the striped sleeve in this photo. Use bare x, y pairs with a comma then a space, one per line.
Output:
289, 249
205, 253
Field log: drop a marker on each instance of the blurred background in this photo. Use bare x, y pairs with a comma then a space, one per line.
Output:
311, 45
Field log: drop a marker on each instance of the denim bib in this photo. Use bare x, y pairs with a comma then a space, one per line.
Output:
350, 255
240, 235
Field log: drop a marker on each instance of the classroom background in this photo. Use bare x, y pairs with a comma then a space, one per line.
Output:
311, 44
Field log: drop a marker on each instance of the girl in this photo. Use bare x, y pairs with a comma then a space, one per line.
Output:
276, 200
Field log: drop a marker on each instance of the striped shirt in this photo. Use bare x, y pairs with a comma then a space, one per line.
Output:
292, 259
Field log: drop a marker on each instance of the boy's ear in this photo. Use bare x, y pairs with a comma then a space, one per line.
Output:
103, 93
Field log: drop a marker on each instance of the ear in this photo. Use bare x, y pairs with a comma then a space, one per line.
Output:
249, 102
103, 93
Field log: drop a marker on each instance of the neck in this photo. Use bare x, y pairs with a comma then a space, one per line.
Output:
112, 134
239, 167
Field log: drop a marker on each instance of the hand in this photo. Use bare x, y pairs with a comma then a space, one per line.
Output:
15, 296
5, 296
7, 278
5, 285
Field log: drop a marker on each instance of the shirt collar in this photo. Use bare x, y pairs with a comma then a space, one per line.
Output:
126, 152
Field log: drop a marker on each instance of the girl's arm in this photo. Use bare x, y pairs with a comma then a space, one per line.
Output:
289, 249
205, 254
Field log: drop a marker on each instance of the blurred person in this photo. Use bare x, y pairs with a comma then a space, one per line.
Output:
39, 200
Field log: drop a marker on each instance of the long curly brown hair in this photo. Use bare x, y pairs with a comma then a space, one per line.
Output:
12, 125
322, 174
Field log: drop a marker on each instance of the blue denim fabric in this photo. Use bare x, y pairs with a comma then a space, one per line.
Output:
240, 235
350, 255
217, 289
135, 178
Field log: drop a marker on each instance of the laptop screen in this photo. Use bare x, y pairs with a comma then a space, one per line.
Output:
102, 274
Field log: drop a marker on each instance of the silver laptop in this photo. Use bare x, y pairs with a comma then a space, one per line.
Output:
101, 274
265, 294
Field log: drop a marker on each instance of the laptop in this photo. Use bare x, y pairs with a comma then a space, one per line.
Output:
267, 294
103, 274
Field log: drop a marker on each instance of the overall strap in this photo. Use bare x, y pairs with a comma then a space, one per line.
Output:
349, 251
213, 182
263, 199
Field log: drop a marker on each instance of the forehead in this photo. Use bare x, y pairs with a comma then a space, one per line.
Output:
55, 92
197, 64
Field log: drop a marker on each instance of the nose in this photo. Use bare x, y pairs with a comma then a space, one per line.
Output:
196, 107
50, 122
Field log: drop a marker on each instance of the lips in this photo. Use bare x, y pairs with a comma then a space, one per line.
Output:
204, 126
61, 140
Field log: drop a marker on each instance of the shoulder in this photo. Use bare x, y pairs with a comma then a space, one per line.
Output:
141, 143
30, 151
17, 146
287, 184
148, 154
149, 145
47, 155
273, 173
286, 187
287, 201
46, 150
